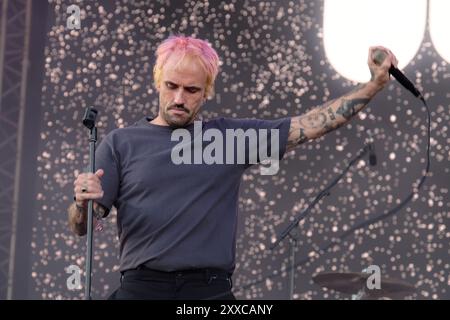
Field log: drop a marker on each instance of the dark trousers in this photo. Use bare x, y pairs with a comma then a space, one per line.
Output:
196, 284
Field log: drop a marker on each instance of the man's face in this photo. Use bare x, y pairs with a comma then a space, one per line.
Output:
181, 91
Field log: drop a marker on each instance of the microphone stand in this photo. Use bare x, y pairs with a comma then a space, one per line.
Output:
89, 122
293, 233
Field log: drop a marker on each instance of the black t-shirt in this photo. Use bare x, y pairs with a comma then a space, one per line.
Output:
171, 215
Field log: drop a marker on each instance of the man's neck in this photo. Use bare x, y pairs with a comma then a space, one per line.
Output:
159, 121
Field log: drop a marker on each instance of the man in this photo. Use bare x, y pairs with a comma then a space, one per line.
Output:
177, 222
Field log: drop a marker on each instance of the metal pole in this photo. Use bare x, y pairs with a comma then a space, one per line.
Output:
87, 287
2, 44
293, 242
20, 142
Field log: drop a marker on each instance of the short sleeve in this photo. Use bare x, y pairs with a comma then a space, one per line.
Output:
272, 136
106, 159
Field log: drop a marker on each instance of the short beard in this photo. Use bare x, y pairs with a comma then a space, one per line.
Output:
176, 122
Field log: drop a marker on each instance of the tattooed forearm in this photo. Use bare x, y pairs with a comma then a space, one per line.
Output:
296, 136
352, 92
330, 115
349, 108
313, 120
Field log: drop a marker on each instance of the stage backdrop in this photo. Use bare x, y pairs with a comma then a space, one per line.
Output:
273, 65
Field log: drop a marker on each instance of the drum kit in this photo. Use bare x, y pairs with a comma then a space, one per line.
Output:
355, 283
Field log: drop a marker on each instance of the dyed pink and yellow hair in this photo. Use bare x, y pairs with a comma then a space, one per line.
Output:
188, 46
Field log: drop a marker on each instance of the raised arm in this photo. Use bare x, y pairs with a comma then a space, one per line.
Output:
335, 113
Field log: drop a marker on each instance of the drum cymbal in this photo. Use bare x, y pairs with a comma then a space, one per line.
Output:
354, 282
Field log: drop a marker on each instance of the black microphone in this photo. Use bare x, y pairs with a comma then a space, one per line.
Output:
371, 149
398, 75
404, 81
89, 117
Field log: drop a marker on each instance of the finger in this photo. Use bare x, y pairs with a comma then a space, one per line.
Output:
369, 57
93, 184
94, 177
379, 56
80, 183
95, 190
88, 189
394, 59
87, 178
382, 48
81, 177
99, 173
88, 196
387, 59
89, 175
81, 190
391, 55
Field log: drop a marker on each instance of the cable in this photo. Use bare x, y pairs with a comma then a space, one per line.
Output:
364, 224
410, 196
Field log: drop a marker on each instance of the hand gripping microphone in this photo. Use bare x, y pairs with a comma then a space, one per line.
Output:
397, 74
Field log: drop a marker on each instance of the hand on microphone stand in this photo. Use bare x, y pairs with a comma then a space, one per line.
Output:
89, 122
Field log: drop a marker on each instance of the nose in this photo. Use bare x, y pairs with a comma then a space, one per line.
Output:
179, 97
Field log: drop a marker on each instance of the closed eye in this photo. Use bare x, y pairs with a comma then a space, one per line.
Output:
171, 85
192, 89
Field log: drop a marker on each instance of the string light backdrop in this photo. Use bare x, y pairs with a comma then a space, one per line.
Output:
273, 65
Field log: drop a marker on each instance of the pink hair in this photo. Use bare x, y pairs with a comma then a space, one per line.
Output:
189, 46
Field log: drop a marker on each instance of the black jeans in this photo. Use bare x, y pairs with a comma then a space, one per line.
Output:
197, 284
